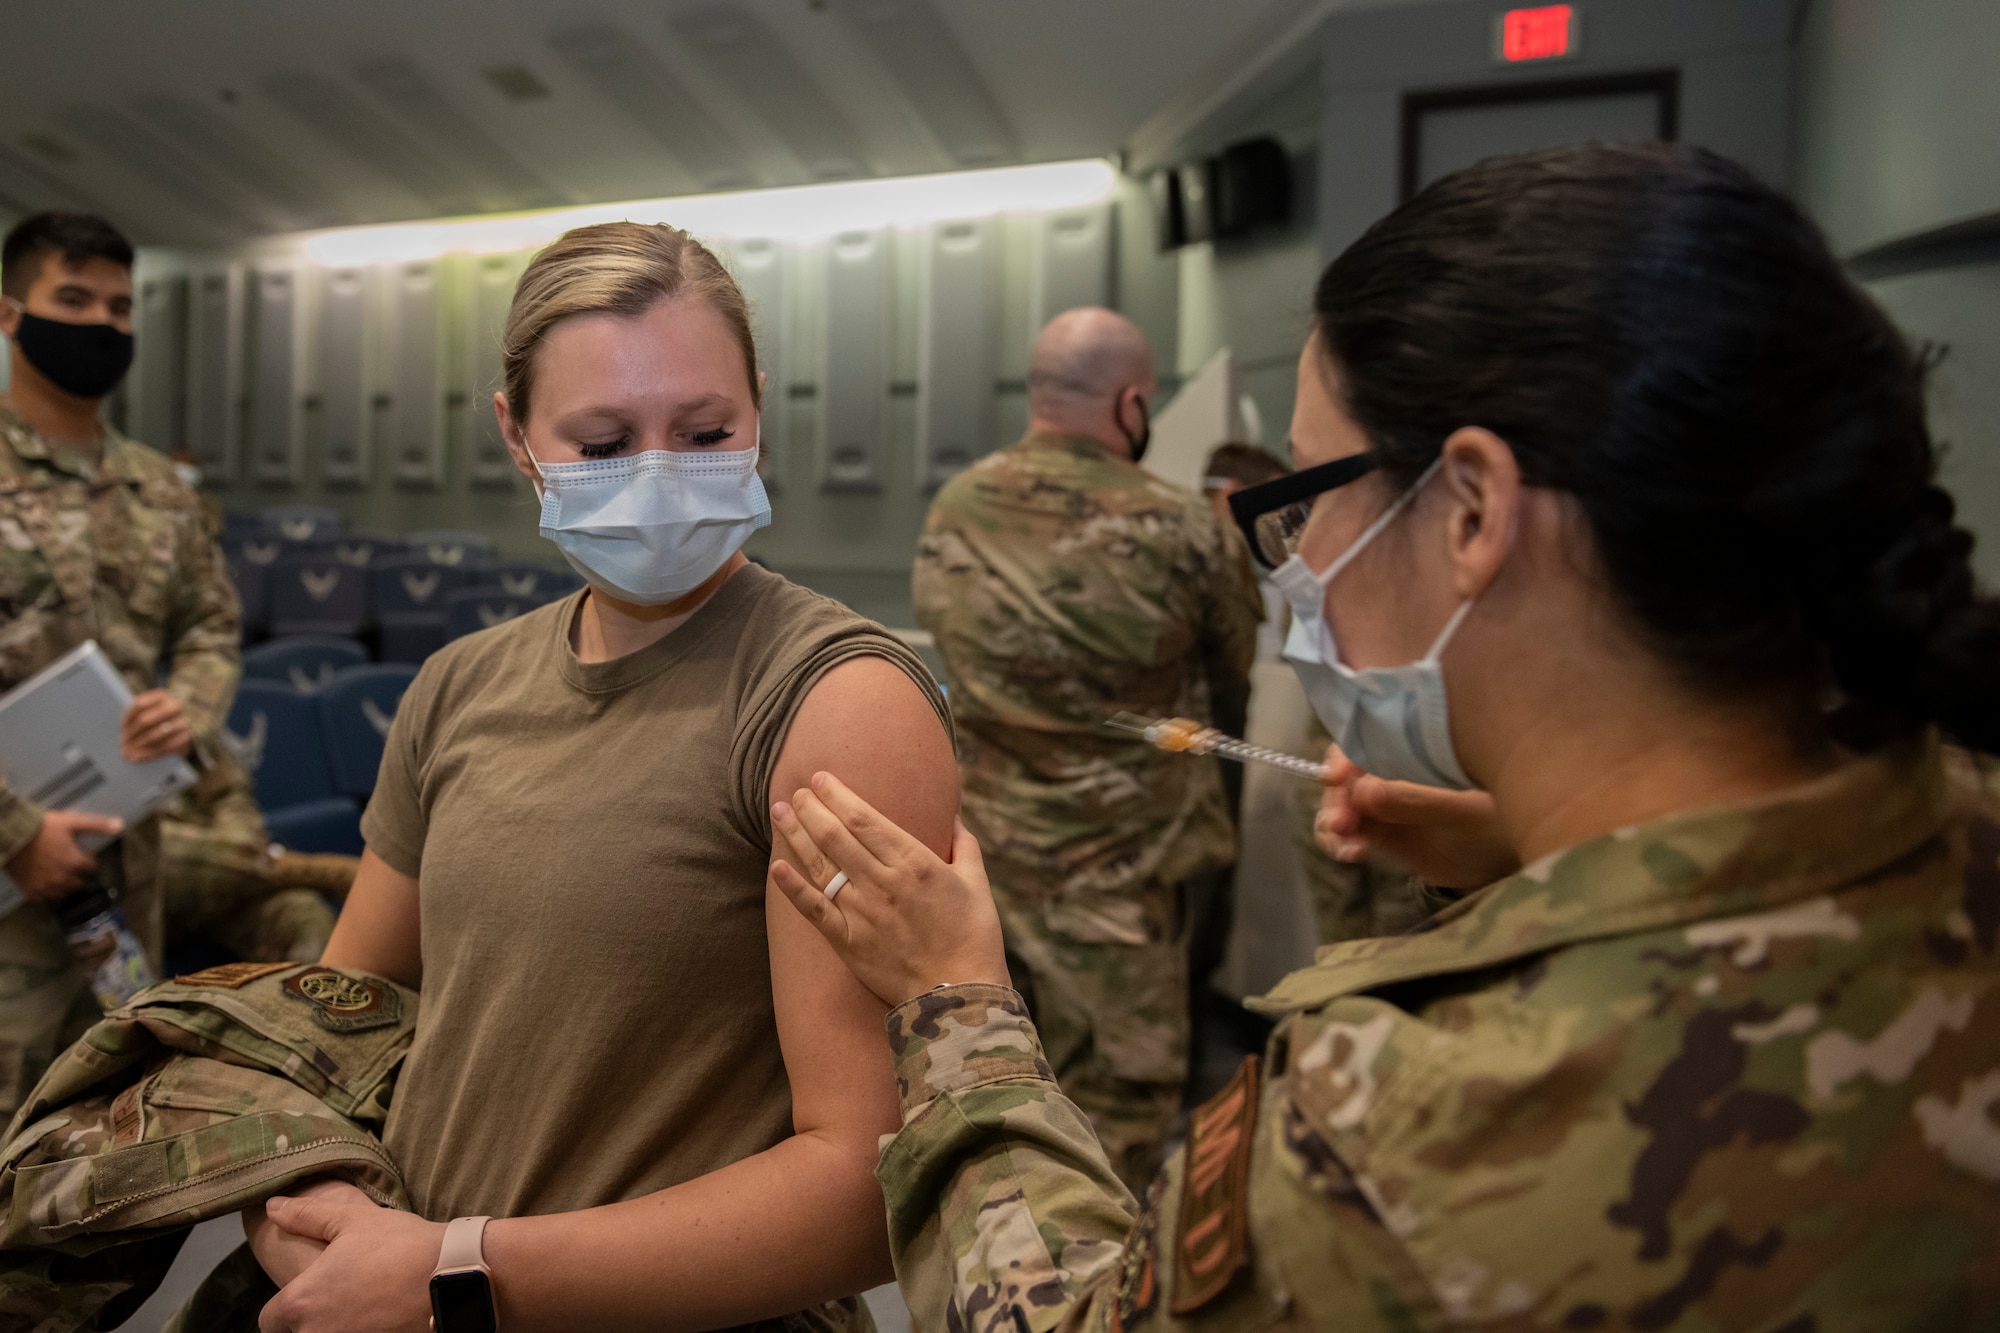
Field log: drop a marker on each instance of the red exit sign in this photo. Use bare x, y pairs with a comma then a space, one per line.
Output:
1547, 32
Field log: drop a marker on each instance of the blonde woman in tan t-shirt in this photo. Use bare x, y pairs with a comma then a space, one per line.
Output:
654, 1076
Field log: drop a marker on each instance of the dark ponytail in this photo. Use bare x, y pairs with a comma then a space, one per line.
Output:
1657, 333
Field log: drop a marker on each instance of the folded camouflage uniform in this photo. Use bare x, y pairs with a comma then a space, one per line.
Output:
205, 1094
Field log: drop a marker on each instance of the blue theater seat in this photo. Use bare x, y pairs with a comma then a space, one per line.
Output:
312, 595
525, 580
475, 609
306, 662
410, 609
331, 825
451, 546
364, 550
302, 523
253, 584
354, 716
275, 731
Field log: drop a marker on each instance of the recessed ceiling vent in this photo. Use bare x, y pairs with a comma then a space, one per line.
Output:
503, 182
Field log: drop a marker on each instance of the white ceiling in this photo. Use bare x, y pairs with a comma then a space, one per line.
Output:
201, 121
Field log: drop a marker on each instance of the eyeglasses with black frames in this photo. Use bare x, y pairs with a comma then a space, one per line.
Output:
1273, 515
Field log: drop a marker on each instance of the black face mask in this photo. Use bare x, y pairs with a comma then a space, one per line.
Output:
1139, 443
86, 360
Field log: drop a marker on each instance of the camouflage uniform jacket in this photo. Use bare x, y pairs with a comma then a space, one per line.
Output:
118, 553
205, 1094
1063, 585
1734, 1069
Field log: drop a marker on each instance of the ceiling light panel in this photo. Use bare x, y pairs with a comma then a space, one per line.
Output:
373, 140
502, 180
618, 66
737, 45
924, 58
215, 141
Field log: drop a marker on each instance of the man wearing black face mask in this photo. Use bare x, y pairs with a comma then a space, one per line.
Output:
99, 539
1065, 584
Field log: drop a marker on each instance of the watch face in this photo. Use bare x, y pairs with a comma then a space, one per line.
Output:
462, 1303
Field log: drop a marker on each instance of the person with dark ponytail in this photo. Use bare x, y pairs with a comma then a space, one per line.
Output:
1621, 574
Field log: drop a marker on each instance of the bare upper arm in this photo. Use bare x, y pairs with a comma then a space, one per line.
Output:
867, 722
379, 929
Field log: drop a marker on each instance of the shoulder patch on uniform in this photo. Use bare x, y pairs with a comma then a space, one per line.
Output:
341, 1003
1212, 1242
234, 976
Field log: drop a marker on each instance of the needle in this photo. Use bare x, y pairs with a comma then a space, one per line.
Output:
1181, 735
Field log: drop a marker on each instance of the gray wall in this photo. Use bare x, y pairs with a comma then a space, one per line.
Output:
1898, 134
1733, 55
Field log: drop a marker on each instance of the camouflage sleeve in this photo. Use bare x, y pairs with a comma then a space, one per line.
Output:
204, 634
1003, 1213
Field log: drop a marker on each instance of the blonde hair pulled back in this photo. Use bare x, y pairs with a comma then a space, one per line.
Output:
615, 268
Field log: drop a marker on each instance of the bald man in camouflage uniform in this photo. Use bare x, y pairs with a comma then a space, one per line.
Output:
99, 539
1731, 1069
1063, 584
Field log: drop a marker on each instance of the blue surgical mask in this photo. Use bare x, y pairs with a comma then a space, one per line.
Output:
652, 527
1392, 721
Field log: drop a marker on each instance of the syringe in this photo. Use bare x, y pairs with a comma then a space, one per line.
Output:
1184, 735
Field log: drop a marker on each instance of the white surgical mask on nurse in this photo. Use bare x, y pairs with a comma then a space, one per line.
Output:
1392, 721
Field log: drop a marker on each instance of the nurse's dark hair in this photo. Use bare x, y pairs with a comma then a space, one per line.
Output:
615, 268
77, 237
1670, 341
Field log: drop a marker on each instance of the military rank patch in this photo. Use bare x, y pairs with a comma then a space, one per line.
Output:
1212, 1242
233, 976
341, 1003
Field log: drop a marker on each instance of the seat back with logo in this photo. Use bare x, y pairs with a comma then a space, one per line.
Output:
302, 524
354, 716
410, 610
524, 580
317, 596
253, 589
274, 731
452, 546
475, 609
364, 550
307, 662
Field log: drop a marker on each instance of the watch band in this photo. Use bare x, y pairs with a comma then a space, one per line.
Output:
462, 1248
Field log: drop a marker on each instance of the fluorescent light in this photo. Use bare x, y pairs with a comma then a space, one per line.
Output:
800, 213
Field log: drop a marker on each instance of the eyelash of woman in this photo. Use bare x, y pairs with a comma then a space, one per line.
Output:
611, 447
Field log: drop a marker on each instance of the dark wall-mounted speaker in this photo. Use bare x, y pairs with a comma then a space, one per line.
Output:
1249, 185
1253, 187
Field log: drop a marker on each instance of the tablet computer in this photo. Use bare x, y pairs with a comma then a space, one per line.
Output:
59, 747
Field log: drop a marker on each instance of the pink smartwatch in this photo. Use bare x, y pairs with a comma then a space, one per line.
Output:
462, 1284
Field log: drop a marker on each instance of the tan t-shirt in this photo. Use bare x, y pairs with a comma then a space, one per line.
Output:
591, 841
